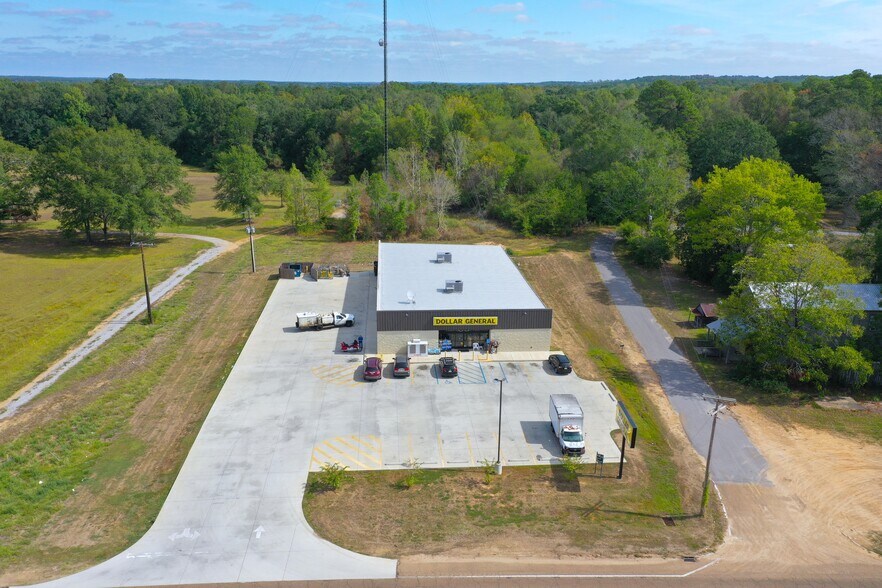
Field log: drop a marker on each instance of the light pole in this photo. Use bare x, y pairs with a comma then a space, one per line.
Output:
146, 285
250, 230
499, 434
721, 403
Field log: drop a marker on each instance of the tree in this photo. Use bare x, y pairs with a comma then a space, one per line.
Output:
740, 210
870, 208
456, 153
239, 178
769, 105
109, 179
728, 138
409, 175
442, 194
670, 106
17, 200
352, 221
291, 188
320, 198
793, 317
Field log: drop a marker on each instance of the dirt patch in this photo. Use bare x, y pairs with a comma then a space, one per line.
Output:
825, 504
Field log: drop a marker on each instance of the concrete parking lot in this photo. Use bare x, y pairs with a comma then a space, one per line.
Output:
292, 402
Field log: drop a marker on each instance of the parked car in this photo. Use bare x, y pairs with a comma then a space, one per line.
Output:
448, 367
373, 369
560, 363
401, 368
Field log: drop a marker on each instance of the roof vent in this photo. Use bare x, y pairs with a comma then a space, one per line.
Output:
443, 257
453, 286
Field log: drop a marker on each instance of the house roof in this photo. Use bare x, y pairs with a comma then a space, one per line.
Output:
706, 309
490, 280
868, 296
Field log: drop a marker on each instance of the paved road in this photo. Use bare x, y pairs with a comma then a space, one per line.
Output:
112, 325
735, 458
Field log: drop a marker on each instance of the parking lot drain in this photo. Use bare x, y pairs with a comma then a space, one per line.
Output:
669, 522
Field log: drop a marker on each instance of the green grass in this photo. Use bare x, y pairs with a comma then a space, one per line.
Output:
55, 291
93, 447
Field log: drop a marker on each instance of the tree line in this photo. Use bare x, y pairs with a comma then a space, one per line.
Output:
725, 175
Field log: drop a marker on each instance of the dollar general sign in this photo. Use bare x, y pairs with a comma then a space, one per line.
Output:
464, 321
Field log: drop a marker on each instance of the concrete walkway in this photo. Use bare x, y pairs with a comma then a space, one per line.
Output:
112, 325
735, 458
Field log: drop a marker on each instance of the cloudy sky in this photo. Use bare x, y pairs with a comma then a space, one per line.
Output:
438, 40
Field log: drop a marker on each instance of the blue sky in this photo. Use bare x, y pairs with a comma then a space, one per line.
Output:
438, 40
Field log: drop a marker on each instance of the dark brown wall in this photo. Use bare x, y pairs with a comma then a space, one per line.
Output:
421, 320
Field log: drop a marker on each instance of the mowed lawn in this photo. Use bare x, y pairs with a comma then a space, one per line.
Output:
53, 292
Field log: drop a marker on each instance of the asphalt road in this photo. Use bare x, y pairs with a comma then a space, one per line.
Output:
112, 325
735, 459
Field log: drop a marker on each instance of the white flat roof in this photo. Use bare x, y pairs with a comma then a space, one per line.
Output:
490, 279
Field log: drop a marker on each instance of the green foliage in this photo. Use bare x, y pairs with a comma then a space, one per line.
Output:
109, 179
726, 139
791, 315
628, 229
349, 228
330, 477
670, 106
239, 181
649, 248
17, 200
415, 474
852, 367
489, 469
572, 466
739, 211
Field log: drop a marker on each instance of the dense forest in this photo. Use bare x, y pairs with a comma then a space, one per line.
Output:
720, 172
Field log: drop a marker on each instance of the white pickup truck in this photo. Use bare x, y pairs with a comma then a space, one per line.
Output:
567, 422
318, 321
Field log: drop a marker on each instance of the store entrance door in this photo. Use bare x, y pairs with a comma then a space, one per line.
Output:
464, 339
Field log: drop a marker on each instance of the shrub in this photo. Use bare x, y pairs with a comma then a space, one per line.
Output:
331, 476
628, 229
572, 466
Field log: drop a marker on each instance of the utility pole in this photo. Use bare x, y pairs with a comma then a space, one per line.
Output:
250, 230
721, 403
499, 434
385, 44
146, 285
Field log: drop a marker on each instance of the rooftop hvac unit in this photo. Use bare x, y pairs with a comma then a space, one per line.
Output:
443, 257
453, 286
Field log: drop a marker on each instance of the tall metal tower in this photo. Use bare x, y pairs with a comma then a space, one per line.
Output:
385, 44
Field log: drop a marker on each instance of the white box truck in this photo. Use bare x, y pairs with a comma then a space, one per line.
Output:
315, 320
567, 421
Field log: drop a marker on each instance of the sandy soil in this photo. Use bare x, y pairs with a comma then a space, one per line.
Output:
825, 501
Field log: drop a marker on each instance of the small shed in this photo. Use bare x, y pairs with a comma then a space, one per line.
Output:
705, 313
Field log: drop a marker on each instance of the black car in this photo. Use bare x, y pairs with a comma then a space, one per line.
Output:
560, 363
401, 368
448, 367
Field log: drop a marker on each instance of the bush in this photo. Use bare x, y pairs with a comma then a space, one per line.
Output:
852, 368
628, 229
414, 475
572, 465
331, 477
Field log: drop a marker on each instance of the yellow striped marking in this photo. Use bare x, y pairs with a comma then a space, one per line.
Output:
366, 444
358, 450
347, 456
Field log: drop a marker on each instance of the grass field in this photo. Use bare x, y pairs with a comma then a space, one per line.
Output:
55, 291
669, 293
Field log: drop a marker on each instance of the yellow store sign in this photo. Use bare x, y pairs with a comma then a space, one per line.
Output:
464, 321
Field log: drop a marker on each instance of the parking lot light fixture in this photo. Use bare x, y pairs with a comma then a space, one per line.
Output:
499, 434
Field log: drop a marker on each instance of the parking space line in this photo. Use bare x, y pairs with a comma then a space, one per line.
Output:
441, 450
529, 449
469, 444
502, 369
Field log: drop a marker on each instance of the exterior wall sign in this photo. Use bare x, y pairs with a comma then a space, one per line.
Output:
464, 321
